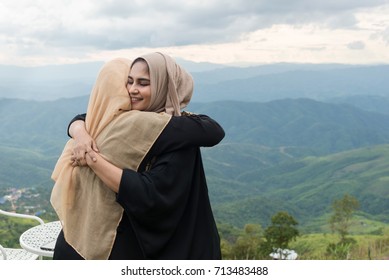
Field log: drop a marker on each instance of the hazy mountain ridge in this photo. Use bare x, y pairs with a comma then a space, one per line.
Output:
314, 84
221, 74
256, 83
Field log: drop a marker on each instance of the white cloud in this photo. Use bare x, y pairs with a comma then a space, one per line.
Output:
356, 45
43, 31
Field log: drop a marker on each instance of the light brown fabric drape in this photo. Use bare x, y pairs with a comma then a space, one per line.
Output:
171, 85
87, 208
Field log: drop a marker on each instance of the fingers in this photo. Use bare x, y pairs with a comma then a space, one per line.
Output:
78, 162
82, 145
83, 160
78, 155
80, 150
94, 146
91, 154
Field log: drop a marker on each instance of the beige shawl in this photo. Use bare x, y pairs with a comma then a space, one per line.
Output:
87, 208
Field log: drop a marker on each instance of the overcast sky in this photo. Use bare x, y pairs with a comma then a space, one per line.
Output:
41, 32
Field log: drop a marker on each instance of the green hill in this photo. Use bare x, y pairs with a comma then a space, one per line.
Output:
306, 188
300, 123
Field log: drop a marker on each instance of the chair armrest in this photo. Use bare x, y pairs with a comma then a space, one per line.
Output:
24, 216
3, 253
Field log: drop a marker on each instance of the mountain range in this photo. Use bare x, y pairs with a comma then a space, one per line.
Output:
288, 154
297, 135
213, 82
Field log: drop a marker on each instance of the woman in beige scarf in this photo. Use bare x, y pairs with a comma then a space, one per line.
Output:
160, 212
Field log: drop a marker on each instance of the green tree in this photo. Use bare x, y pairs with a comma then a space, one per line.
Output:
340, 222
343, 210
281, 231
247, 245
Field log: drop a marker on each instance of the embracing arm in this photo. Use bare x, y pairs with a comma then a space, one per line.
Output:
83, 141
86, 153
188, 130
77, 119
180, 133
109, 173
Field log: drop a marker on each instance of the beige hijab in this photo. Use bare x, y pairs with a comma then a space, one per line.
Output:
171, 85
87, 208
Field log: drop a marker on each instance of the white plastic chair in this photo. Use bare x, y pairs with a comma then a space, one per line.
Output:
16, 253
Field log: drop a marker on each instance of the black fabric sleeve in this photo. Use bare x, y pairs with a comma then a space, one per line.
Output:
188, 131
155, 200
143, 193
183, 132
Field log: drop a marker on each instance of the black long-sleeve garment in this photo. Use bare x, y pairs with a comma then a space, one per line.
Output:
167, 209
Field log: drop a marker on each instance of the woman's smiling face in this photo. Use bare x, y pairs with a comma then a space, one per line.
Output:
138, 86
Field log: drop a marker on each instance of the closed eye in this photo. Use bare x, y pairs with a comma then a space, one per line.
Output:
144, 82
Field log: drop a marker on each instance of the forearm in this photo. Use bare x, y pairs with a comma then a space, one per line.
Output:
106, 171
83, 141
77, 129
80, 117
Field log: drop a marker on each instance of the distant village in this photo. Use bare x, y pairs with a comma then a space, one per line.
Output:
23, 200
